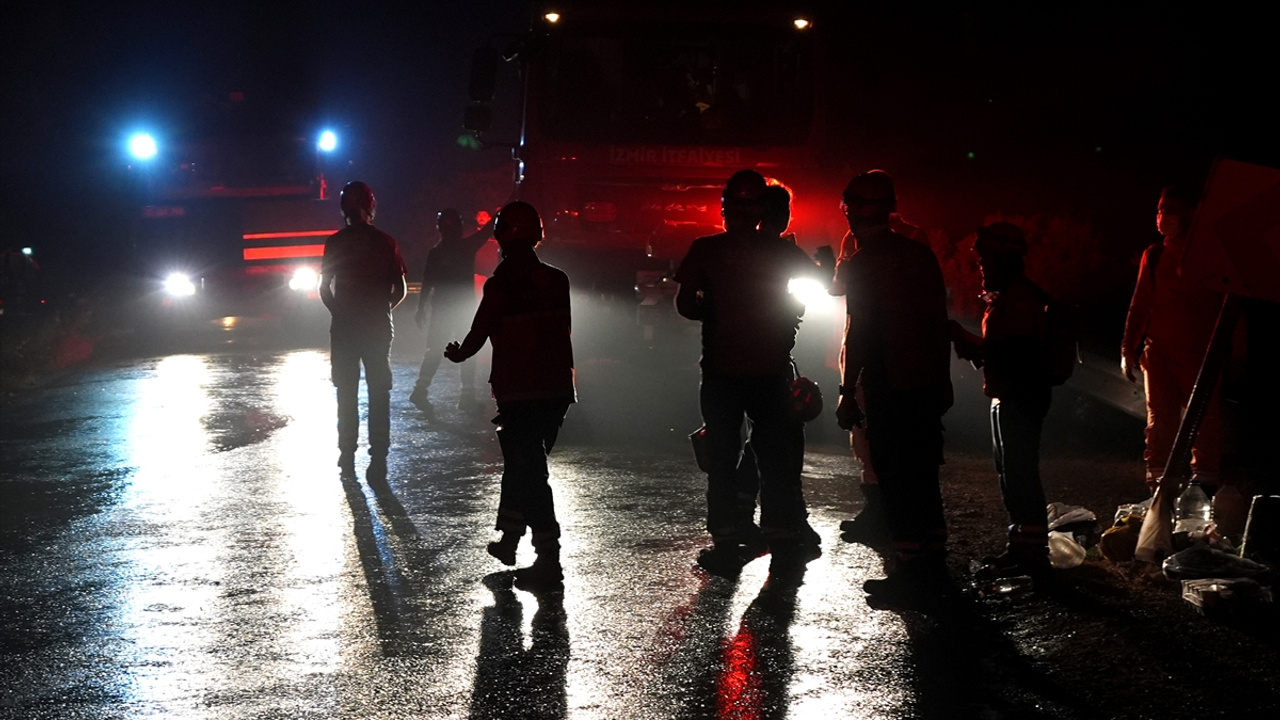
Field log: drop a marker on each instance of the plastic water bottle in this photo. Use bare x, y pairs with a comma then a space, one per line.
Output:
1230, 511
1193, 504
1064, 552
1015, 585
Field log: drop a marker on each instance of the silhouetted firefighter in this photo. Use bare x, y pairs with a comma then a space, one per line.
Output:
897, 343
1011, 353
735, 283
869, 526
1166, 332
777, 216
448, 291
361, 282
525, 315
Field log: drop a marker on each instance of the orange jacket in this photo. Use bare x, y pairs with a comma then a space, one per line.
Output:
1168, 313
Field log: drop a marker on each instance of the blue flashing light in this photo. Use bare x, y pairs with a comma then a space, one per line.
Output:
328, 141
142, 146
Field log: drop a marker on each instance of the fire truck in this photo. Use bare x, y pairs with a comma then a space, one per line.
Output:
230, 226
630, 119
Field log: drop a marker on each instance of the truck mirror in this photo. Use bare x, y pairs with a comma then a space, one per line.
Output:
477, 118
484, 74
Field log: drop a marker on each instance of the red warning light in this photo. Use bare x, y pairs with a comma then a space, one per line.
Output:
278, 252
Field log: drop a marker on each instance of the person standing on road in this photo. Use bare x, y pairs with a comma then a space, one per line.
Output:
777, 216
1166, 333
1011, 353
448, 291
869, 526
735, 284
897, 344
361, 282
525, 314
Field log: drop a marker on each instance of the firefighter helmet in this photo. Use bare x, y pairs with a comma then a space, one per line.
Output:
449, 218
742, 204
518, 224
806, 399
874, 187
357, 196
745, 187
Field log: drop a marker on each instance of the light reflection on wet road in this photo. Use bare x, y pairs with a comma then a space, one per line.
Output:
179, 544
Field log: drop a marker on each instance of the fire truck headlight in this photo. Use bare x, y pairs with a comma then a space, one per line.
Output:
304, 280
179, 285
328, 141
810, 292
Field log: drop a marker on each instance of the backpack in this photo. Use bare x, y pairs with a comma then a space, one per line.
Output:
1061, 343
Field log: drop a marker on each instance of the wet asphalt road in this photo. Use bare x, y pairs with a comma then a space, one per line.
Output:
176, 542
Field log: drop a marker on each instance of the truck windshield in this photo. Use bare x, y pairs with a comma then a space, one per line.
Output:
240, 161
744, 85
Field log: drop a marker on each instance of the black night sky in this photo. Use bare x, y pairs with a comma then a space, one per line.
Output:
1070, 108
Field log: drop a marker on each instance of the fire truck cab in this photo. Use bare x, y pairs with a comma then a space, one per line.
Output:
230, 225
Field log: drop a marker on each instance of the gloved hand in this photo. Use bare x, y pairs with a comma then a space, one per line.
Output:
1127, 365
848, 414
825, 257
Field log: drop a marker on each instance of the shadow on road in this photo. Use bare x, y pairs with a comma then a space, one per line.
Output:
714, 670
514, 682
401, 622
759, 665
966, 666
391, 506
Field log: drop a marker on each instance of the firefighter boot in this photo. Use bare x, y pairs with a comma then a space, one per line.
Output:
504, 549
869, 527
1026, 554
545, 574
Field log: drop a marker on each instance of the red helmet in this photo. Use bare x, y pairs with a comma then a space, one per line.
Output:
806, 399
357, 196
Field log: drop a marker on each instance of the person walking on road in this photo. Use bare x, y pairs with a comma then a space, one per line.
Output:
525, 314
735, 284
1011, 352
361, 282
448, 299
897, 344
